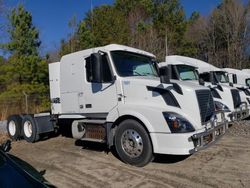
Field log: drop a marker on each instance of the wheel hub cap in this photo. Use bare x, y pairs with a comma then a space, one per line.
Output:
132, 143
12, 128
27, 127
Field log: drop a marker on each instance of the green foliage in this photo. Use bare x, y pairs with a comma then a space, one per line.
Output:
107, 25
127, 6
85, 36
64, 48
194, 17
169, 19
24, 37
151, 24
24, 71
143, 24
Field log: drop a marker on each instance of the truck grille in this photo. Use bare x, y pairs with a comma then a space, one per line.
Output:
206, 104
236, 97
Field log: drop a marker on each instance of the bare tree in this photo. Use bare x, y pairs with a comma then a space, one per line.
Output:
233, 25
149, 41
223, 37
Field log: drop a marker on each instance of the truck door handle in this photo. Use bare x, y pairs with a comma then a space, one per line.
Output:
88, 105
121, 95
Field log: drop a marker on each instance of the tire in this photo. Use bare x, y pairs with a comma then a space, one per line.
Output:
14, 127
29, 129
133, 144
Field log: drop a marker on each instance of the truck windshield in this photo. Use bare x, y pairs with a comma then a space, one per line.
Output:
187, 72
221, 77
132, 64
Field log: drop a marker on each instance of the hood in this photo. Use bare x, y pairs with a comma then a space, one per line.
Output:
225, 91
155, 81
146, 92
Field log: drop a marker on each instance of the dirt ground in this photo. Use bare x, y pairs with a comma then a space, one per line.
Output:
3, 137
68, 163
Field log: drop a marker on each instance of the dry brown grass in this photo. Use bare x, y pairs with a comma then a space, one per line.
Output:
3, 137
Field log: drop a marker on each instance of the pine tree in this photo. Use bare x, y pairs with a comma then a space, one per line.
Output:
25, 71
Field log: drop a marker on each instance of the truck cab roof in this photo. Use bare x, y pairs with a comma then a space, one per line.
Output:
107, 48
202, 66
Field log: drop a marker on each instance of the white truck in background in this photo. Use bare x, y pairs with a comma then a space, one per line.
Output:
240, 80
238, 77
117, 95
247, 79
226, 97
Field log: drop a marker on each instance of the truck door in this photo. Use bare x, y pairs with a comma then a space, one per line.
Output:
99, 97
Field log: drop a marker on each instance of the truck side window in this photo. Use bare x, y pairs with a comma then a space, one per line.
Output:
107, 75
205, 76
88, 70
248, 82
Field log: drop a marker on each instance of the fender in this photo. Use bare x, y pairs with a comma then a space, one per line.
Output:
136, 114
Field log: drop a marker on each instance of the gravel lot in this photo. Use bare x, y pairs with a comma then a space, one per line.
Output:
68, 163
3, 125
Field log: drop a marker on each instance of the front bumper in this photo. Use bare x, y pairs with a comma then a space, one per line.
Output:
207, 138
188, 143
240, 113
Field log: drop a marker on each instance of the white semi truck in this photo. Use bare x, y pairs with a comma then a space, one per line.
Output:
240, 78
226, 97
247, 79
116, 95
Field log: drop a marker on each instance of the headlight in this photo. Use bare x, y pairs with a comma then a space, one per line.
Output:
177, 123
220, 106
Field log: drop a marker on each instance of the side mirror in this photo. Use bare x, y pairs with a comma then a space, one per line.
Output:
96, 67
212, 79
164, 75
201, 82
234, 78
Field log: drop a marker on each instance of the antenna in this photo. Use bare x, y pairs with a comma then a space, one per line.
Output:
92, 23
91, 8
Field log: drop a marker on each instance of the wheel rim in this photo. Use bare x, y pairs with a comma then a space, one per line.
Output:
12, 128
132, 143
27, 127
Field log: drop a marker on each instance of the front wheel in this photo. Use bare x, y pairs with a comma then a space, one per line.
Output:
133, 144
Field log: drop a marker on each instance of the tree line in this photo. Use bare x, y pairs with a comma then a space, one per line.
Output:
220, 38
158, 26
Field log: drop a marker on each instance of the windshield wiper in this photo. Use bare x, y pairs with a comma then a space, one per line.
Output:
148, 74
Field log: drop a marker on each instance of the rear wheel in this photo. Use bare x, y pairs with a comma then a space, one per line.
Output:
14, 127
133, 144
29, 129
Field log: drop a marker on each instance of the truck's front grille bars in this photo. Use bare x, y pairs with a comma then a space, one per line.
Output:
206, 104
236, 98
